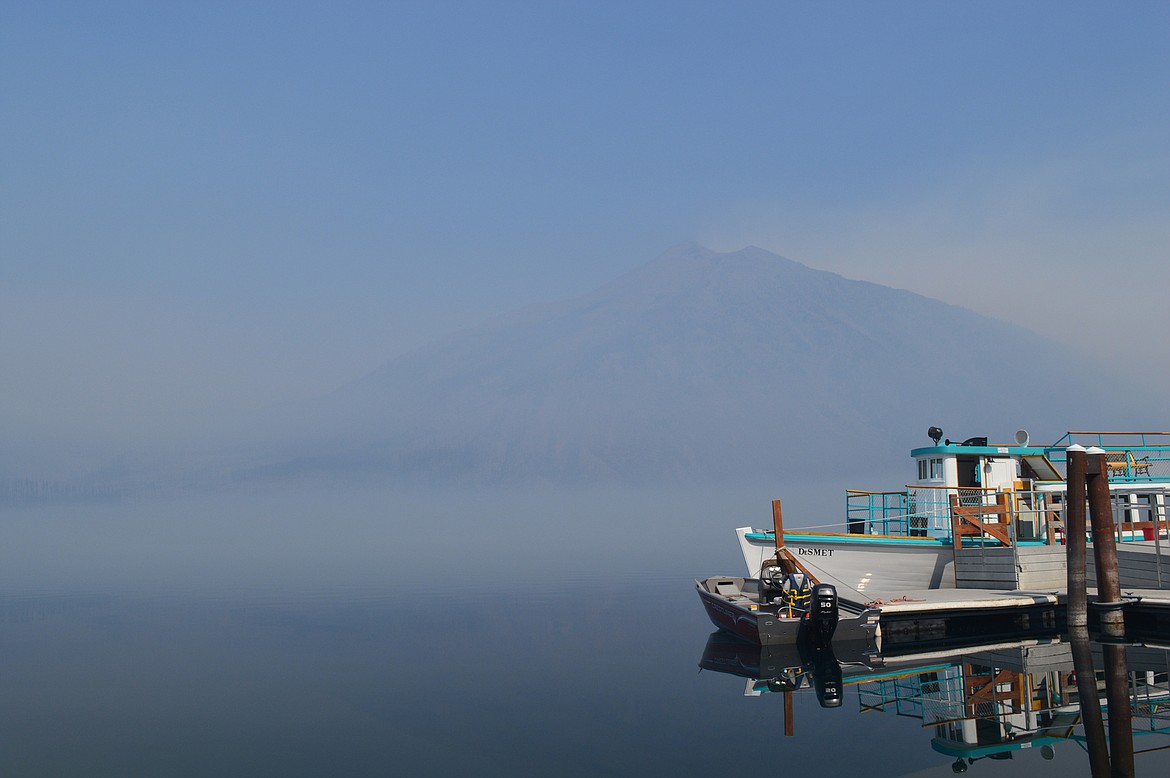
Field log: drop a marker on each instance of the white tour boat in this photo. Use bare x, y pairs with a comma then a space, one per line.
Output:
981, 515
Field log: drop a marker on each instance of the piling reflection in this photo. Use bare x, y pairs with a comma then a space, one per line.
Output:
984, 703
1088, 693
1117, 692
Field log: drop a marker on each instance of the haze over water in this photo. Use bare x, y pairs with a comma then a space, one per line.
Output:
216, 216
328, 631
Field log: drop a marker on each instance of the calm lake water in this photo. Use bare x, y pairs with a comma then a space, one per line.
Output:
365, 632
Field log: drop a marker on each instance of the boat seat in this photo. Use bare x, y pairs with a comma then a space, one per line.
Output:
727, 588
1124, 463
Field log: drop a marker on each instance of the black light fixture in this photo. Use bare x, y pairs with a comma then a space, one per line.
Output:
935, 434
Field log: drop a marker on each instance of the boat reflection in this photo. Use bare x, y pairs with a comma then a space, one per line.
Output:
782, 667
982, 702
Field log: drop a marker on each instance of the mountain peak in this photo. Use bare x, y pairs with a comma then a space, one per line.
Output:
695, 254
693, 267
697, 365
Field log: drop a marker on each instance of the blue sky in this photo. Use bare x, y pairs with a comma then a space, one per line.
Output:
208, 207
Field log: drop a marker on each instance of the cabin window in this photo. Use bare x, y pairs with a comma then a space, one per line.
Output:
930, 469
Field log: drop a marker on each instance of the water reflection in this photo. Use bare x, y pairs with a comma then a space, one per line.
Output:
984, 703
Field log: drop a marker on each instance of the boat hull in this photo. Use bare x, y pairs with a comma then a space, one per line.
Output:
735, 610
862, 567
760, 627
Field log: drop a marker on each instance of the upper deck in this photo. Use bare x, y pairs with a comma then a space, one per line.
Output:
952, 476
1131, 457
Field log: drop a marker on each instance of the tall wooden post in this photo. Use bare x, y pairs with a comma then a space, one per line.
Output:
1104, 545
781, 551
778, 523
1074, 539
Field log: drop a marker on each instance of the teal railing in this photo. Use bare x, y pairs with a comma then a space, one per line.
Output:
881, 513
1132, 457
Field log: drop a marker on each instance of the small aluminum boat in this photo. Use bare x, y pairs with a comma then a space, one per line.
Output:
801, 612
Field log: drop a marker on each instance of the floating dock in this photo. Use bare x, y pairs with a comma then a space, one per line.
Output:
940, 616
1147, 615
937, 617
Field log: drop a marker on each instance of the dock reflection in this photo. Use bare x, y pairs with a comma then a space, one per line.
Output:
984, 701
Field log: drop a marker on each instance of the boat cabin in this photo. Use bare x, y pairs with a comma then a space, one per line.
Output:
956, 476
971, 464
1027, 482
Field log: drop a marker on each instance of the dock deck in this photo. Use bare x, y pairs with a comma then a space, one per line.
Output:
960, 600
939, 616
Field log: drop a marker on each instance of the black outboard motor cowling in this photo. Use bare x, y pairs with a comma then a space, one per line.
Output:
828, 679
823, 612
817, 655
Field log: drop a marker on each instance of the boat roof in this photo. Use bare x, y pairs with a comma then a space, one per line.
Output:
985, 451
1109, 441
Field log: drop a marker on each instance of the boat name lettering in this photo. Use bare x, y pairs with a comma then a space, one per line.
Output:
815, 551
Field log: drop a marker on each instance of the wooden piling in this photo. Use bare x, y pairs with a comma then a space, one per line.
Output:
1104, 545
1074, 539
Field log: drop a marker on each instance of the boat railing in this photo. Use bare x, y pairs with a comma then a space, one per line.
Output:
1142, 516
903, 694
1005, 517
1139, 513
930, 505
916, 511
980, 709
877, 513
1038, 517
1131, 457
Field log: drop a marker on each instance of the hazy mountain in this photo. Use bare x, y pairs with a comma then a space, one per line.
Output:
696, 367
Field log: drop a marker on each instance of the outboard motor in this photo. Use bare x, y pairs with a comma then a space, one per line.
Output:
828, 680
823, 613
